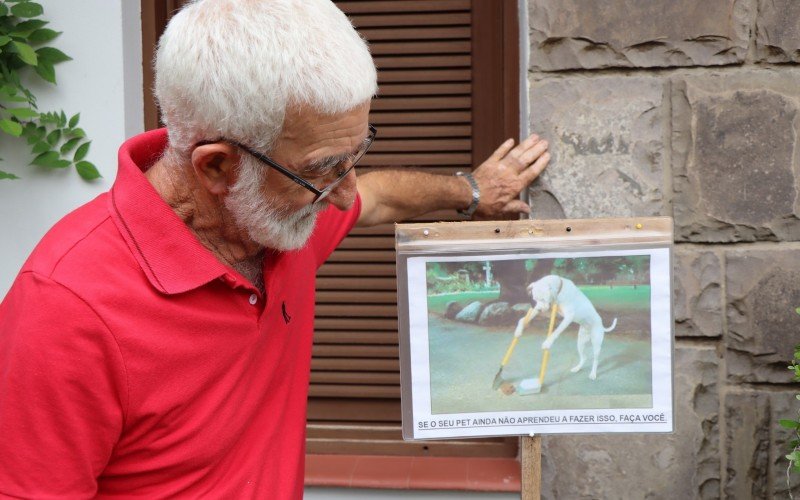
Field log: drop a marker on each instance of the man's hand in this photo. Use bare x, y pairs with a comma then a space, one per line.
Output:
505, 174
396, 195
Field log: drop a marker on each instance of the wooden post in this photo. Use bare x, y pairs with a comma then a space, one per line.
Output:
531, 463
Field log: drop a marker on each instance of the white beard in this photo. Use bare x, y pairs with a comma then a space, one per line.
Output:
268, 225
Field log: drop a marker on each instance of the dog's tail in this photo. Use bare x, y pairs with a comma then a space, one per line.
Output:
613, 325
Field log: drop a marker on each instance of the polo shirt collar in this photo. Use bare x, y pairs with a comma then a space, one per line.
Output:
170, 255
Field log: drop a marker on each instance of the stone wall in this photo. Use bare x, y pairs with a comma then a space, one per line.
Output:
689, 109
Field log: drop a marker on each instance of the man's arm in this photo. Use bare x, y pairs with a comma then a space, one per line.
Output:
395, 195
63, 392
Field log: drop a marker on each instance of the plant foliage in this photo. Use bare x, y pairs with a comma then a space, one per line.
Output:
55, 140
794, 423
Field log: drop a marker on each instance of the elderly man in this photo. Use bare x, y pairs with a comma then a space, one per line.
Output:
157, 342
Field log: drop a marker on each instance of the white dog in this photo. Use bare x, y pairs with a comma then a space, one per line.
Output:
574, 306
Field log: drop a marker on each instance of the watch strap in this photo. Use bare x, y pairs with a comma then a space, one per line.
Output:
476, 194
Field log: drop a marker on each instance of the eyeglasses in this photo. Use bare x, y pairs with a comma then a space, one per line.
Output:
343, 167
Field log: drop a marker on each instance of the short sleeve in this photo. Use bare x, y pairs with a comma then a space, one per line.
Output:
331, 228
62, 392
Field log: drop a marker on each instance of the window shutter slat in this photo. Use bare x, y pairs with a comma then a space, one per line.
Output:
355, 337
414, 33
397, 20
406, 47
395, 6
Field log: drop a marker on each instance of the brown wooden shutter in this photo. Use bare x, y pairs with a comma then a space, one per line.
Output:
155, 16
449, 94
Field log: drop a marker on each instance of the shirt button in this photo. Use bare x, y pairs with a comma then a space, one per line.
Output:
253, 299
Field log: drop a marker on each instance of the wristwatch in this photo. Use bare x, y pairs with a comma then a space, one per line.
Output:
476, 194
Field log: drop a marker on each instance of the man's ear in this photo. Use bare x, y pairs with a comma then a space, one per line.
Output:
215, 166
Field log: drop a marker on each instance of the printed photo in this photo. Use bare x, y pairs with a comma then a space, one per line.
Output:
489, 328
551, 342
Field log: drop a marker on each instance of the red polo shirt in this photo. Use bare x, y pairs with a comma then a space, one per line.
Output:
134, 363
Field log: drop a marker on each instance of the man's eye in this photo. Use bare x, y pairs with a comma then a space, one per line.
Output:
333, 168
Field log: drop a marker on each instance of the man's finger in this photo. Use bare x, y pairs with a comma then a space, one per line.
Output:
531, 173
525, 145
517, 207
534, 152
503, 150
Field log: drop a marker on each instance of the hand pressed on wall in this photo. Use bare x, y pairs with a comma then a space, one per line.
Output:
503, 176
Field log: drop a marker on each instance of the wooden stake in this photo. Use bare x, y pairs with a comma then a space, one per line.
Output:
531, 463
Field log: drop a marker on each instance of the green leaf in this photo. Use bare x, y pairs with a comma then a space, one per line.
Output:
797, 310
46, 70
52, 55
25, 28
789, 424
30, 129
42, 36
3, 9
11, 128
53, 137
13, 99
82, 151
87, 171
7, 175
78, 132
4, 39
22, 113
62, 119
74, 120
46, 159
27, 9
40, 147
30, 136
26, 53
70, 145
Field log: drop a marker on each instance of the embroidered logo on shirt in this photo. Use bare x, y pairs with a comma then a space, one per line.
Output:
286, 317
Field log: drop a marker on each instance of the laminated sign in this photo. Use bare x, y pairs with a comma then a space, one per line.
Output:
535, 327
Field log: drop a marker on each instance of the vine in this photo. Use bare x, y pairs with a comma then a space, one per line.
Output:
55, 141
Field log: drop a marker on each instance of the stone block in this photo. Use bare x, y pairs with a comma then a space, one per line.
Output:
685, 464
496, 314
747, 429
783, 405
698, 293
777, 31
605, 137
735, 157
762, 292
452, 309
573, 34
470, 313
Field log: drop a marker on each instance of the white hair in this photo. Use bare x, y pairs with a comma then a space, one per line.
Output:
267, 222
230, 68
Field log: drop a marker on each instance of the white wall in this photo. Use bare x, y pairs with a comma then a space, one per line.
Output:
104, 83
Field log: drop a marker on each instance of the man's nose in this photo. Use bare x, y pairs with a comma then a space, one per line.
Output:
344, 194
